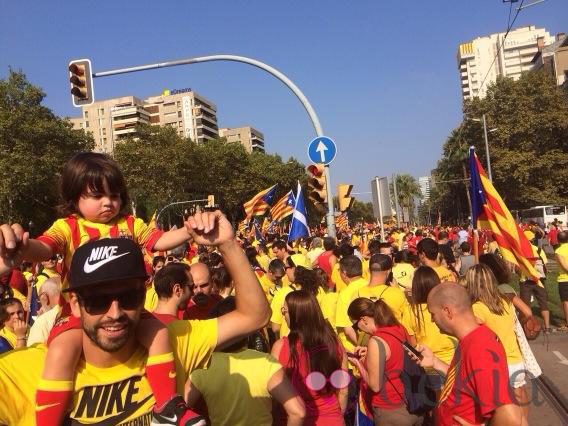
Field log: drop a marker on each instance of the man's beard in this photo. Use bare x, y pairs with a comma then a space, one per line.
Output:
112, 344
200, 299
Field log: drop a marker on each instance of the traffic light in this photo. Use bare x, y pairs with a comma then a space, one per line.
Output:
81, 80
345, 201
317, 186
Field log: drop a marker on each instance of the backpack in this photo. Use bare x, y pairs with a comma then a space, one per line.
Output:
419, 395
540, 266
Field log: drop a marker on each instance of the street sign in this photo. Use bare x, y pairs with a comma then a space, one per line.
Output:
322, 150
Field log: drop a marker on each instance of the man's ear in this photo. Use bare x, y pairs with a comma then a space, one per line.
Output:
74, 304
177, 290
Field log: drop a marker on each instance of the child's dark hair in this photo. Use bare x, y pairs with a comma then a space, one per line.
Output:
90, 171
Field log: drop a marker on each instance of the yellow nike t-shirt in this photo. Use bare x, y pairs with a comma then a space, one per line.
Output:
115, 395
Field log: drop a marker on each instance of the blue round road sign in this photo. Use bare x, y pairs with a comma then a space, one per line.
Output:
322, 150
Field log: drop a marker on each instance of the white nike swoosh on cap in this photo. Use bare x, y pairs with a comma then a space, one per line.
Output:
88, 268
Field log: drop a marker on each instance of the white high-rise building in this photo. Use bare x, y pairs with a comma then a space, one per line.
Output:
475, 58
425, 183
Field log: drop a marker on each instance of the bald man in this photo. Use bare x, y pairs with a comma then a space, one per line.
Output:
477, 380
50, 299
202, 300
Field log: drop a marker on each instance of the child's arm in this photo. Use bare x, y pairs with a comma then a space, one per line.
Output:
13, 250
172, 239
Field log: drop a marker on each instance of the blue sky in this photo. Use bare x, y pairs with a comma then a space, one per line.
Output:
381, 75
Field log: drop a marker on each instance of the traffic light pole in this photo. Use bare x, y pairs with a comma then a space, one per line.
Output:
273, 71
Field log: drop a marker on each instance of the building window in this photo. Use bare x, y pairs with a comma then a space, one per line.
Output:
87, 115
104, 131
81, 125
105, 140
180, 124
179, 114
169, 104
178, 104
87, 124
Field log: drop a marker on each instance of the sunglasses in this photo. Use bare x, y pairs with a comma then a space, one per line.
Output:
355, 325
97, 304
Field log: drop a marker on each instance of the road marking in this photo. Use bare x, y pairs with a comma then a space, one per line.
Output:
562, 359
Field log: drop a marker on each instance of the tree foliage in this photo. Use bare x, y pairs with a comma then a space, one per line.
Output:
34, 144
162, 167
408, 190
528, 149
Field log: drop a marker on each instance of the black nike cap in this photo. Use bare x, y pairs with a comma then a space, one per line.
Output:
108, 259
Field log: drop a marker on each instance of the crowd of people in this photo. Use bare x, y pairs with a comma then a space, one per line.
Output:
105, 319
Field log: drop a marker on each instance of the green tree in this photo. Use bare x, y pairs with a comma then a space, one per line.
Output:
35, 144
361, 212
408, 189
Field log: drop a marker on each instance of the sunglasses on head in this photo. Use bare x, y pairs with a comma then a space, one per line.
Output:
96, 304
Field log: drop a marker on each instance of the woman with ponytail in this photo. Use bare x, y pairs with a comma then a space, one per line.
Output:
314, 360
381, 369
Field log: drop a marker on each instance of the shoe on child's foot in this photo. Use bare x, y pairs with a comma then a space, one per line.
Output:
175, 412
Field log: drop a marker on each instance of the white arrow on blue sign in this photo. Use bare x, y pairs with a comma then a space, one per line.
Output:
322, 150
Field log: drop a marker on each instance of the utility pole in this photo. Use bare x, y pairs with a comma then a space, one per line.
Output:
487, 149
396, 207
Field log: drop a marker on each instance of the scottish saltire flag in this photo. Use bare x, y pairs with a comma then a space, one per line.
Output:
490, 212
272, 227
299, 225
34, 306
261, 202
284, 207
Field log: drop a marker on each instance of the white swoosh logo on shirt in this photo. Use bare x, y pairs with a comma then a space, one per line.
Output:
88, 268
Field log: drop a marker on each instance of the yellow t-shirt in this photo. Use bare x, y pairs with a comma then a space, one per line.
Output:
563, 252
329, 307
151, 301
346, 296
503, 326
112, 395
336, 278
235, 387
444, 274
278, 303
41, 278
366, 272
9, 336
403, 274
536, 254
60, 235
263, 261
267, 286
392, 296
430, 335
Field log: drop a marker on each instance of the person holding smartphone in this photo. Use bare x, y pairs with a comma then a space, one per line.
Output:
384, 361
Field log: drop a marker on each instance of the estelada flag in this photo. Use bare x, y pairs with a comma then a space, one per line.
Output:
490, 212
261, 202
342, 222
284, 207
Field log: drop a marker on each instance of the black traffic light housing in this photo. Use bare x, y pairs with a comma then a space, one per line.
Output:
317, 186
81, 79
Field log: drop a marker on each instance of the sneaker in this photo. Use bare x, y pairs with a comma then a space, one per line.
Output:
175, 412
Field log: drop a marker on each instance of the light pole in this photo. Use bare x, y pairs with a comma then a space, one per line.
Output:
271, 70
484, 121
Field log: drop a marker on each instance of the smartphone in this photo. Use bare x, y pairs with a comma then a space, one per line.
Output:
409, 348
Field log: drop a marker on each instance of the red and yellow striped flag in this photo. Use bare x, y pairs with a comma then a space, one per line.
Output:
284, 207
490, 212
342, 222
261, 202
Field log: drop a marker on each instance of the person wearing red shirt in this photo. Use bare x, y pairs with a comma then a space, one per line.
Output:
203, 299
173, 287
477, 388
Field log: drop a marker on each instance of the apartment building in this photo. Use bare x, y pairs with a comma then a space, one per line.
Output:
425, 183
484, 59
109, 121
553, 58
249, 137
